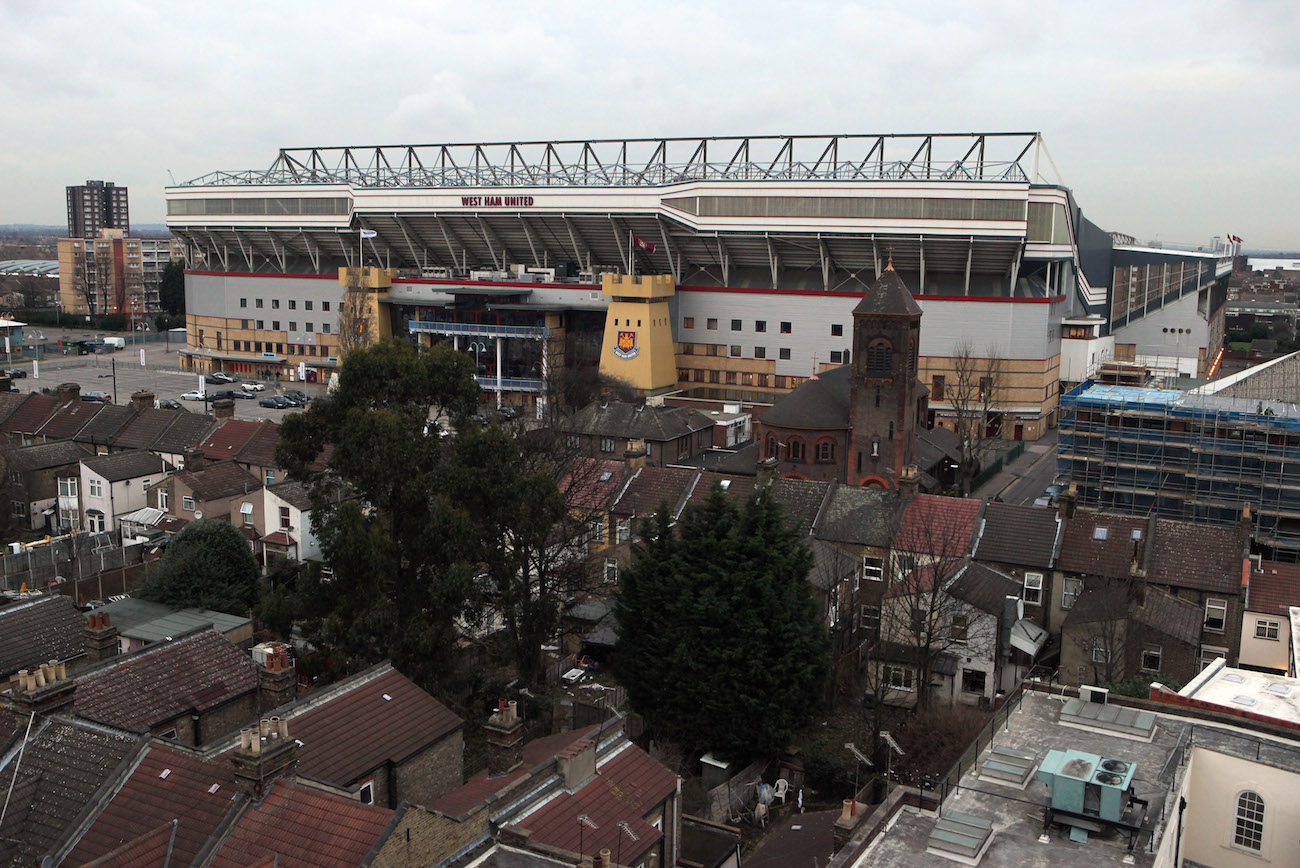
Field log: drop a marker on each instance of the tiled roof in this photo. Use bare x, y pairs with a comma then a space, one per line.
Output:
984, 588
1275, 588
147, 851
1021, 535
69, 419
636, 421
228, 438
653, 486
33, 413
627, 786
1083, 552
821, 404
107, 422
185, 431
145, 428
39, 630
1188, 555
351, 729
592, 482
118, 466
888, 295
9, 402
159, 682
301, 827
802, 500
935, 525
481, 787
860, 516
43, 456
279, 538
1181, 619
220, 480
64, 765
733, 485
259, 451
169, 783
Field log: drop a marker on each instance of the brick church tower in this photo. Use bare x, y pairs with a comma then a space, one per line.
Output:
884, 391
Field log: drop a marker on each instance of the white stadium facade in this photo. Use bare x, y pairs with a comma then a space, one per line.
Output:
769, 241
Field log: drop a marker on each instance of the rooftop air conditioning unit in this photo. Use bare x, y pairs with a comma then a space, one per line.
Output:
1093, 694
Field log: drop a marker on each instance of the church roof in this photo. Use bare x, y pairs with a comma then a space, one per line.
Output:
888, 295
822, 403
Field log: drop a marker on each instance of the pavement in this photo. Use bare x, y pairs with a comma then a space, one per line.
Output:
1023, 480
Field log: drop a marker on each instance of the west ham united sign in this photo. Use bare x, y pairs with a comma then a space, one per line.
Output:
625, 347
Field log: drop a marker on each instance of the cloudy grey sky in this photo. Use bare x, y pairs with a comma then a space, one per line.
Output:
1170, 120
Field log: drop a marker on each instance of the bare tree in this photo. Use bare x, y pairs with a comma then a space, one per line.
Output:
974, 393
354, 313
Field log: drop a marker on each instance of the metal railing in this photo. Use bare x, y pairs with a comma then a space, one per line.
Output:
478, 329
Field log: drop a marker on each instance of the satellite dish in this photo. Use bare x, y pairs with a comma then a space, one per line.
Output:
198, 514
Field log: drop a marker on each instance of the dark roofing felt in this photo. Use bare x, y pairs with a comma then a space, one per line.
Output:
888, 295
220, 480
127, 465
43, 456
802, 500
64, 765
627, 786
38, 631
351, 729
861, 516
296, 826
159, 682
634, 421
1021, 535
1187, 555
653, 486
821, 404
1274, 588
984, 588
149, 799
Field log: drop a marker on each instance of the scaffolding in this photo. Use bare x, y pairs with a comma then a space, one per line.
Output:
1186, 455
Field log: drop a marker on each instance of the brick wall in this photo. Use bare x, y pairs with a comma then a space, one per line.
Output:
433, 772
423, 837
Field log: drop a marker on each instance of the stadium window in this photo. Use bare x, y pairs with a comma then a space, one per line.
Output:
784, 352
712, 324
275, 325
735, 325
688, 322
275, 304
324, 305
243, 302
735, 351
837, 330
731, 378
936, 387
306, 305
259, 303
713, 377
293, 326
836, 357
260, 324
760, 352
786, 328
293, 304
760, 325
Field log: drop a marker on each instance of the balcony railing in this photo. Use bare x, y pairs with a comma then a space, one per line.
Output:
536, 333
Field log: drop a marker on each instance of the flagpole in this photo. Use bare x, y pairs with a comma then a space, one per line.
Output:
631, 257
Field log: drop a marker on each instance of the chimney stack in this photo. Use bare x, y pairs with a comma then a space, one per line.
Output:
909, 483
766, 472
67, 392
265, 752
193, 459
1067, 500
44, 690
142, 400
505, 738
277, 680
101, 637
223, 408
1245, 527
636, 455
577, 764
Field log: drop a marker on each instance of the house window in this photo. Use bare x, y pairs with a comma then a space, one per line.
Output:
873, 569
95, 488
1071, 588
899, 678
163, 498
1151, 656
607, 444
1033, 593
688, 322
95, 521
624, 530
246, 511
1265, 629
269, 477
285, 523
869, 618
1100, 654
367, 793
837, 330
973, 681
68, 487
1101, 534
187, 503
936, 387
959, 628
826, 451
611, 571
1210, 653
1216, 615
18, 509
1250, 821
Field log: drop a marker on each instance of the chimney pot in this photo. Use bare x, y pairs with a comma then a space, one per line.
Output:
604, 858
514, 711
264, 727
40, 677
598, 861
245, 738
62, 671
283, 727
849, 807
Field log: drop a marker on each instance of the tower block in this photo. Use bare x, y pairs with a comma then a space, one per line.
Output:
638, 346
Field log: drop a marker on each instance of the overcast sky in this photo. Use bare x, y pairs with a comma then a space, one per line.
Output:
1169, 120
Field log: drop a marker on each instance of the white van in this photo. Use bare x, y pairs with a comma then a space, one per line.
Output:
115, 343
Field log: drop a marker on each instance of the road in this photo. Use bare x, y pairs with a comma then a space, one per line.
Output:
1038, 476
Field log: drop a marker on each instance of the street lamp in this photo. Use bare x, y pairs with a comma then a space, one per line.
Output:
477, 347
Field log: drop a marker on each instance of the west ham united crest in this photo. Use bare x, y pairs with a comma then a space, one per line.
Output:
625, 347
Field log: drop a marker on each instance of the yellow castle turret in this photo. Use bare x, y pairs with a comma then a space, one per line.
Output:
638, 346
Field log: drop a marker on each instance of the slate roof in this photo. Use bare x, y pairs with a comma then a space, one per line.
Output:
733, 485
69, 419
984, 588
1081, 552
65, 765
1275, 588
31, 415
220, 480
1181, 619
351, 729
144, 429
185, 431
127, 465
480, 788
861, 516
652, 486
821, 404
888, 295
802, 499
300, 827
1187, 555
147, 801
137, 691
636, 421
934, 445
39, 630
935, 525
627, 786
1022, 535
43, 456
107, 422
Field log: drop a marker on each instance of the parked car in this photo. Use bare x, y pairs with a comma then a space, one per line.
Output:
220, 378
192, 395
275, 402
169, 404
218, 394
15, 373
93, 395
299, 398
252, 387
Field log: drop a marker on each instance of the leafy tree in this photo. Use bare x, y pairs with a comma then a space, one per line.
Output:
720, 643
171, 288
208, 565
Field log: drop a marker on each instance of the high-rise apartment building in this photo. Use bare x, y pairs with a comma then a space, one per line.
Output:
97, 205
113, 273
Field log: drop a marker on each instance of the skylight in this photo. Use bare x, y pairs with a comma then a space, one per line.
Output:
1100, 532
1242, 699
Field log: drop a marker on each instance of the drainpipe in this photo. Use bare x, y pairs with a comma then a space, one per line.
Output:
1178, 842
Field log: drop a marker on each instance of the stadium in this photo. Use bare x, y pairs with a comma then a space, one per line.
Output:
769, 243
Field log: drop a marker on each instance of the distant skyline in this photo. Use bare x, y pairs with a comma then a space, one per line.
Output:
1170, 121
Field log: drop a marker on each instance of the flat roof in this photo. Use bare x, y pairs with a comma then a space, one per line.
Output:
1262, 693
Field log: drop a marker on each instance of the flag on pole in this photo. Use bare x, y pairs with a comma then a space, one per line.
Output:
368, 233
642, 245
